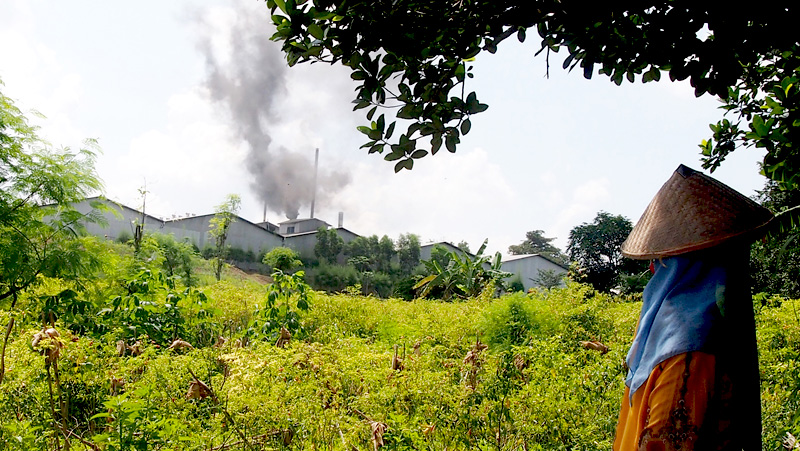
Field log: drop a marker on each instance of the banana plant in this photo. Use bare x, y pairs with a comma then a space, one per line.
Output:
464, 276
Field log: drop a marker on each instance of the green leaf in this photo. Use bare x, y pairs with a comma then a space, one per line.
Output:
405, 164
436, 143
364, 130
588, 68
281, 4
361, 104
372, 112
759, 127
460, 71
466, 126
316, 31
389, 131
419, 153
394, 155
450, 142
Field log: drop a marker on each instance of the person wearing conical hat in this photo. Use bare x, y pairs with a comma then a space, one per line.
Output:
693, 381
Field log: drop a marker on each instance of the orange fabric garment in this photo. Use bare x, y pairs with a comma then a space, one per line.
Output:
684, 405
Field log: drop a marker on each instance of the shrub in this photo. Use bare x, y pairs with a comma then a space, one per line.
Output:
334, 278
178, 256
240, 255
124, 237
516, 284
282, 259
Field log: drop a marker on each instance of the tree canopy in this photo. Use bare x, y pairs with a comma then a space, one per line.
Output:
536, 243
414, 56
595, 246
329, 245
39, 223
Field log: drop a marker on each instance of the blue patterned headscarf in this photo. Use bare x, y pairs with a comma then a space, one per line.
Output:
701, 301
683, 302
687, 307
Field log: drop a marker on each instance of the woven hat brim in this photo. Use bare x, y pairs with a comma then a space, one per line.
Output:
692, 212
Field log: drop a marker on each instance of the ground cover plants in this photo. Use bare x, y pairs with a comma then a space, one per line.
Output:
133, 359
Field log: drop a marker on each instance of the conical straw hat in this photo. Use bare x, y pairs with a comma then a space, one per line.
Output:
692, 211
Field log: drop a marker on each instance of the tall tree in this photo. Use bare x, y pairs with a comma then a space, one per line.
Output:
408, 250
536, 243
414, 57
225, 215
40, 225
371, 251
39, 186
595, 246
329, 245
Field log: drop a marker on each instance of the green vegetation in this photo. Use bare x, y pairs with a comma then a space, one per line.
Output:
595, 247
329, 245
135, 360
536, 243
460, 275
113, 347
223, 218
282, 259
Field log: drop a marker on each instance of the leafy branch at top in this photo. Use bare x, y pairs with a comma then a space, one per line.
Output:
412, 56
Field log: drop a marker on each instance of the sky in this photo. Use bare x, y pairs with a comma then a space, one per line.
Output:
192, 102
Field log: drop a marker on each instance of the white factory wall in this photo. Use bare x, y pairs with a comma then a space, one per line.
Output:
527, 267
120, 219
242, 234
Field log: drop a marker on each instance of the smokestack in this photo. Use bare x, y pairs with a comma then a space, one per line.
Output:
341, 219
314, 188
265, 214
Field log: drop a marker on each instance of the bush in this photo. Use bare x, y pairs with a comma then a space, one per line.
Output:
516, 284
179, 257
377, 283
404, 288
208, 252
334, 278
240, 255
282, 259
124, 237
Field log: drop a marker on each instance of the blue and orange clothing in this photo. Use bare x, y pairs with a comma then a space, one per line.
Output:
693, 379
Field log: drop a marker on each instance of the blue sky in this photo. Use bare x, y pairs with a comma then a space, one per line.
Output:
548, 154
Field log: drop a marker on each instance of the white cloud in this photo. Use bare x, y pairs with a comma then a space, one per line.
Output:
445, 197
581, 208
189, 165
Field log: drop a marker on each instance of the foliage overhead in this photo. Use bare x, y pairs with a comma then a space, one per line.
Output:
415, 57
595, 246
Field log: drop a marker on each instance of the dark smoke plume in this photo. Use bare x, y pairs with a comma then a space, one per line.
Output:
250, 83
